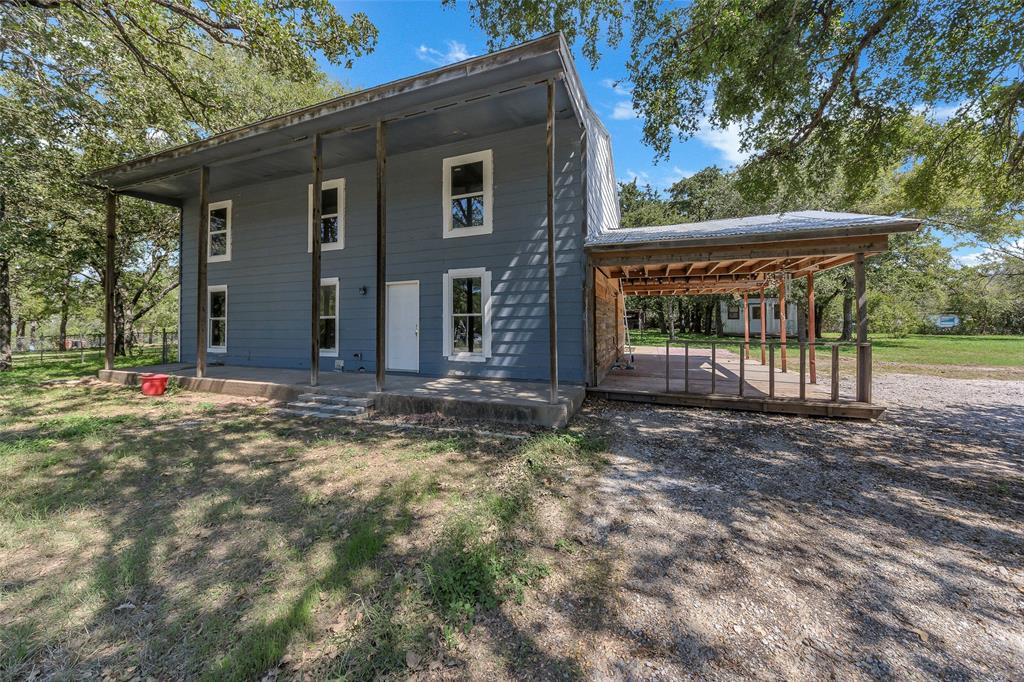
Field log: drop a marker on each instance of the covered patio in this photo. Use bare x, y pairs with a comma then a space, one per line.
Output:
745, 258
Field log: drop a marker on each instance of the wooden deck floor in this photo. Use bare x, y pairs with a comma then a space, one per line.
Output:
646, 383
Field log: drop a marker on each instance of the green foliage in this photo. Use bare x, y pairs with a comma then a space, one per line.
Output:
825, 94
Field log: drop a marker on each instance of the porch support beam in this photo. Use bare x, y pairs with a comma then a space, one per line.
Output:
317, 196
382, 218
763, 325
863, 353
202, 245
552, 305
109, 286
782, 323
746, 327
811, 328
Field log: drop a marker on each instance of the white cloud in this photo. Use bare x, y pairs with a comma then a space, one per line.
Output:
970, 259
624, 111
617, 88
726, 141
659, 180
937, 113
456, 52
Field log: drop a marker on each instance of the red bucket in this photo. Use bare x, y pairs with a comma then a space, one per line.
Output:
154, 384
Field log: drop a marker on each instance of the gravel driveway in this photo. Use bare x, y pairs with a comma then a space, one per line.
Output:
737, 545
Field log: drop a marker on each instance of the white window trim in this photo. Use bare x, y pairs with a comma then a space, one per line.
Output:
446, 200
210, 208
338, 184
485, 305
209, 319
333, 352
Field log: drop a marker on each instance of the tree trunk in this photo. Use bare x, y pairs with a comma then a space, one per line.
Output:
64, 305
820, 306
120, 346
719, 328
6, 361
847, 312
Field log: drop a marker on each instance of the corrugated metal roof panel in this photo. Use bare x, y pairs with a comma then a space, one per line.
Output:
782, 224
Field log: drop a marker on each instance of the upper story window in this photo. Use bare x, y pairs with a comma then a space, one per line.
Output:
468, 202
218, 246
467, 312
332, 215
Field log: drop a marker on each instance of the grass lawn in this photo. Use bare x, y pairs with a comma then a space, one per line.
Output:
917, 349
69, 365
198, 536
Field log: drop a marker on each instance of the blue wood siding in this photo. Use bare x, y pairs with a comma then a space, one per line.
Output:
268, 275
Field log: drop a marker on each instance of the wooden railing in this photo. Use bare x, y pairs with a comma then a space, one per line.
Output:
807, 373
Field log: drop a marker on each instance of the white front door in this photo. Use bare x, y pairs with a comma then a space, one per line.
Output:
403, 339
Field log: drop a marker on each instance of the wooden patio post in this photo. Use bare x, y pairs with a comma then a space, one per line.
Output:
782, 324
552, 306
811, 330
202, 246
108, 282
746, 328
764, 312
863, 362
382, 218
318, 172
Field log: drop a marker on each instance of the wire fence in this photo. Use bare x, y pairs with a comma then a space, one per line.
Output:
43, 349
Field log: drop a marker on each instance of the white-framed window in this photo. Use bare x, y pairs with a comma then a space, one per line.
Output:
217, 318
467, 205
218, 245
329, 316
467, 315
332, 215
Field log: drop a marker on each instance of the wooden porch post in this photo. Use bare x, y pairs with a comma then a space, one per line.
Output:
763, 325
382, 161
811, 330
552, 307
318, 172
782, 323
201, 254
863, 362
108, 282
746, 327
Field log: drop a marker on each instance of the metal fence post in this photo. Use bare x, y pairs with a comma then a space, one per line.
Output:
713, 349
835, 372
771, 370
686, 367
668, 362
744, 349
163, 347
803, 370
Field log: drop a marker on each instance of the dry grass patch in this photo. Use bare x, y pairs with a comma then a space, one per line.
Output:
198, 536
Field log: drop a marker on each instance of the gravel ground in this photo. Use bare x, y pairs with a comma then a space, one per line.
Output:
724, 545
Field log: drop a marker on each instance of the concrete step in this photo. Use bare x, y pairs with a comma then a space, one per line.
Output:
329, 408
329, 399
316, 414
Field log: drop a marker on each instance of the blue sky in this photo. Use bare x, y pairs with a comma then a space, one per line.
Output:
418, 35
421, 35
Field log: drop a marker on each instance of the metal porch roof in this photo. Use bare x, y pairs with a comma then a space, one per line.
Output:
793, 225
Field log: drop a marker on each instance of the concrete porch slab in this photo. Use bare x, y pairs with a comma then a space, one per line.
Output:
518, 402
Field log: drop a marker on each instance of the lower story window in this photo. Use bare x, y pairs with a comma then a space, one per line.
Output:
467, 310
217, 319
329, 316
734, 311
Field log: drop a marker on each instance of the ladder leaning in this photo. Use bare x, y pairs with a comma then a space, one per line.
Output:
622, 363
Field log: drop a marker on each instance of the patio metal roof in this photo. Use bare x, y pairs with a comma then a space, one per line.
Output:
794, 225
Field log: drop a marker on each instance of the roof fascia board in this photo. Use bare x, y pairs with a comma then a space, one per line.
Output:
535, 48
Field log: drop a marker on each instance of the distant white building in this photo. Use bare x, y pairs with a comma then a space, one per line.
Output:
732, 317
945, 321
